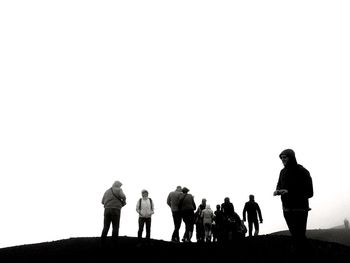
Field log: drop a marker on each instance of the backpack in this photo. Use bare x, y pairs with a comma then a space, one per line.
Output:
150, 202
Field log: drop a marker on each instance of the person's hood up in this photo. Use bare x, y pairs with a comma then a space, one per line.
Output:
291, 154
117, 184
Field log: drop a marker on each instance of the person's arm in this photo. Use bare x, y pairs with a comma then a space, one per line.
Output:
122, 195
259, 213
103, 199
244, 212
194, 204
168, 201
138, 206
309, 187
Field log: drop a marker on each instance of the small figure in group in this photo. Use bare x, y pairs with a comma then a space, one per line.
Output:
229, 215
145, 209
187, 207
253, 210
207, 216
113, 200
173, 202
295, 188
346, 223
218, 224
199, 221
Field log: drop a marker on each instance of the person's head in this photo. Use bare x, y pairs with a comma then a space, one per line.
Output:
178, 188
288, 157
207, 206
251, 197
218, 207
117, 184
185, 190
144, 193
204, 201
227, 200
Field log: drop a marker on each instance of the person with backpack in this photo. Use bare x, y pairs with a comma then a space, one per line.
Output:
253, 210
113, 200
145, 209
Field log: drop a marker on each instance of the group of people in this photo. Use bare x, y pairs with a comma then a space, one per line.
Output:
223, 224
294, 186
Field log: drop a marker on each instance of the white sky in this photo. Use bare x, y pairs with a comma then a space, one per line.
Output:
156, 94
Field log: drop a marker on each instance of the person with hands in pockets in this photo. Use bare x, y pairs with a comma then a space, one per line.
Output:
145, 209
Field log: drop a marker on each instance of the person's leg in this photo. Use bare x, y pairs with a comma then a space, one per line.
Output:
115, 216
187, 227
106, 224
148, 228
290, 220
141, 225
256, 227
250, 227
300, 224
177, 224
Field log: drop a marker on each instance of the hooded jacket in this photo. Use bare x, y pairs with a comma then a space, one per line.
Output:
113, 199
297, 180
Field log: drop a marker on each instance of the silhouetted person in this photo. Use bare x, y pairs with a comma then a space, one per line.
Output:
219, 224
187, 207
173, 202
200, 232
228, 212
253, 210
295, 187
346, 223
145, 209
113, 200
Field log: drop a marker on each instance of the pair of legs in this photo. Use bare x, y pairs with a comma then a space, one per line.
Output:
200, 231
296, 221
188, 217
142, 222
207, 232
177, 224
255, 223
111, 215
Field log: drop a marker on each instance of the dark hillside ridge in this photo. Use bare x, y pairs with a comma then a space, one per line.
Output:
265, 248
341, 236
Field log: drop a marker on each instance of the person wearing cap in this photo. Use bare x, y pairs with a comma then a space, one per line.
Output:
187, 207
113, 200
295, 188
173, 202
145, 209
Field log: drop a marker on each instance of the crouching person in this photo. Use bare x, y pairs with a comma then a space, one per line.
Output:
145, 209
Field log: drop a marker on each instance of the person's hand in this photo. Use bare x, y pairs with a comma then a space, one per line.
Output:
280, 192
283, 191
261, 221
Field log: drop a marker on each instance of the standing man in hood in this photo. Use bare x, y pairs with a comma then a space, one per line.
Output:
295, 188
113, 200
